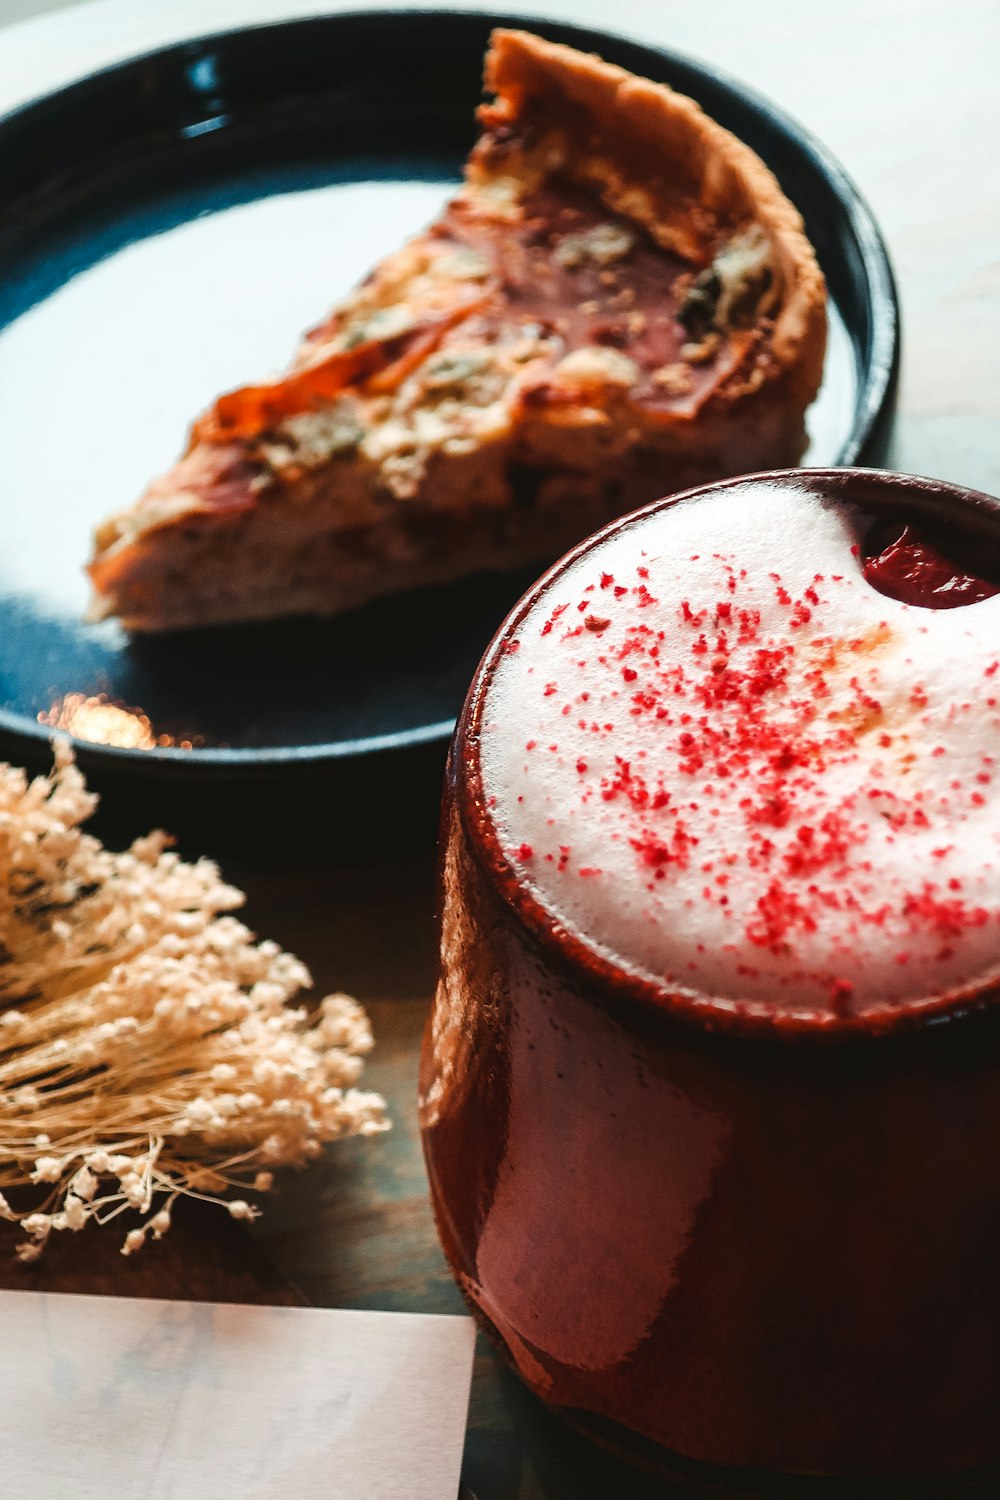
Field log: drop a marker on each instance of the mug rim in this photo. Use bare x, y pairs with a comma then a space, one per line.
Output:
892, 492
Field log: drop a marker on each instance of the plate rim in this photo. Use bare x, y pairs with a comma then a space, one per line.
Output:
878, 370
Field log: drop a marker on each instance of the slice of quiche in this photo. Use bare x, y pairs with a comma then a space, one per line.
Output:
618, 303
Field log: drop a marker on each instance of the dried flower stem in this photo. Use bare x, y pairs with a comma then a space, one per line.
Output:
148, 1050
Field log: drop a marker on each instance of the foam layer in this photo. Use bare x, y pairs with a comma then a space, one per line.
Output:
715, 752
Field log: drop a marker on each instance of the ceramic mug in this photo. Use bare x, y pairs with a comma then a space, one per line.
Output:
714, 1238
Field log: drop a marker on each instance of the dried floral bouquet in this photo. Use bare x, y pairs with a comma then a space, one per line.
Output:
147, 1047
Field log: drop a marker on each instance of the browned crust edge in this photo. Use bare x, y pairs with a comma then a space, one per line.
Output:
727, 177
721, 176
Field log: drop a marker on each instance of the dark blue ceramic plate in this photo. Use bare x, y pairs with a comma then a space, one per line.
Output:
167, 228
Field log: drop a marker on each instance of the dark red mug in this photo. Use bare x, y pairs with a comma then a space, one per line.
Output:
724, 1243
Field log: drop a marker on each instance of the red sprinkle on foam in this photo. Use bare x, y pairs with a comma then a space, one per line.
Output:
768, 714
560, 609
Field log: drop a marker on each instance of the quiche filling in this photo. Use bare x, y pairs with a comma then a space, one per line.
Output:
587, 325
566, 297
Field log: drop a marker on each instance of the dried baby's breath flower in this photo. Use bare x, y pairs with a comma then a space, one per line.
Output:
148, 1049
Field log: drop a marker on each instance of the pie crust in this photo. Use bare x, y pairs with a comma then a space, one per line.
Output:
619, 303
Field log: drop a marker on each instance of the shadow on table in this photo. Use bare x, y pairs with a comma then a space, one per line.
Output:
518, 1450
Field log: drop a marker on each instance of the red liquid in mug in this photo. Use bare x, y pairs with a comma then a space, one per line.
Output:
912, 570
731, 1206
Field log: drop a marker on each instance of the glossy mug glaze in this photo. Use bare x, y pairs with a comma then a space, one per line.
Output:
730, 1235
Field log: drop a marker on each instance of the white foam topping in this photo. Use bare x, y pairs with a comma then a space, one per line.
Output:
715, 752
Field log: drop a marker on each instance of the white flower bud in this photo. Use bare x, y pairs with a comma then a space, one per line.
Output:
199, 1113
47, 1169
74, 1212
84, 1184
131, 1186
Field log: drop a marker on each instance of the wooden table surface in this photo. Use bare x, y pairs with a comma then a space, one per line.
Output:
905, 94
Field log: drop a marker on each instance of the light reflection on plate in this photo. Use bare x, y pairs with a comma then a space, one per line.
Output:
101, 722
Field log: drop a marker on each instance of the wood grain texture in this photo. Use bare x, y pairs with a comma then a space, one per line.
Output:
206, 1257
905, 94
